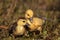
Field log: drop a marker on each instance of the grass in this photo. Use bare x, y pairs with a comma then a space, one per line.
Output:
11, 10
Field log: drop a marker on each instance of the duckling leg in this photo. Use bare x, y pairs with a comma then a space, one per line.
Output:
16, 35
26, 34
39, 29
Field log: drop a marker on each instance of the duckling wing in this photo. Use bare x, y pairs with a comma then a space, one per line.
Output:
37, 21
12, 27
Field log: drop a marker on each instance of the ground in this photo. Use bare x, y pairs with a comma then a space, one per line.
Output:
11, 10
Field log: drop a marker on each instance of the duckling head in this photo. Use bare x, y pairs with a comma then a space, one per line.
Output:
29, 14
21, 22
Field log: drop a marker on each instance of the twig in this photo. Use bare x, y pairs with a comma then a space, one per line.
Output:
3, 27
11, 9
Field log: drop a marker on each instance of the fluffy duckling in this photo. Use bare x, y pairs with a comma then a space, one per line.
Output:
34, 23
17, 28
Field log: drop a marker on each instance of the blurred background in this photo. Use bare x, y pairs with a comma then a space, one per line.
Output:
11, 10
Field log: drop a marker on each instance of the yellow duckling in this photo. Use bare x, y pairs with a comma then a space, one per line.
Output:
18, 29
35, 23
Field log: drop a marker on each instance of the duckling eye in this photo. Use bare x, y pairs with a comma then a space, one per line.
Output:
23, 21
28, 14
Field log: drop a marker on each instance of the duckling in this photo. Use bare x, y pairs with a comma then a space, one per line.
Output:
34, 23
18, 28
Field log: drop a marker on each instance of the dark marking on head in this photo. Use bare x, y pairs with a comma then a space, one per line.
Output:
21, 18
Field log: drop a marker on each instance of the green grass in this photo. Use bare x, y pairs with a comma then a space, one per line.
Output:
50, 28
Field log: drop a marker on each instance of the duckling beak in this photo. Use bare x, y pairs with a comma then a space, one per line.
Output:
26, 25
